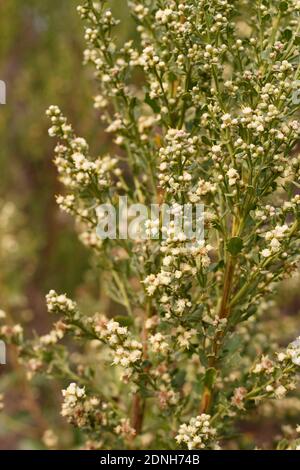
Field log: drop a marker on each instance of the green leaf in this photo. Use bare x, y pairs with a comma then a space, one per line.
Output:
267, 17
124, 320
146, 364
133, 103
297, 41
214, 267
235, 245
196, 316
205, 140
287, 34
210, 377
283, 6
232, 345
172, 77
179, 379
203, 358
152, 103
251, 310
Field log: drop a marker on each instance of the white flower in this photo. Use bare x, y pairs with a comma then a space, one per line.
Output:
280, 392
71, 395
197, 434
163, 16
266, 253
115, 126
233, 176
281, 357
59, 303
227, 120
216, 149
247, 111
50, 439
293, 352
185, 337
158, 343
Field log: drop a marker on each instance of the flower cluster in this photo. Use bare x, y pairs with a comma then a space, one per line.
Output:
292, 353
274, 237
198, 434
74, 166
13, 334
83, 411
168, 284
124, 429
175, 159
127, 352
59, 304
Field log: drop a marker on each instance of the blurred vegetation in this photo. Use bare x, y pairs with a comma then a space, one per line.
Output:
41, 52
41, 63
41, 47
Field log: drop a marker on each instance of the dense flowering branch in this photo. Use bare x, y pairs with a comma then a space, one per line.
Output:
203, 109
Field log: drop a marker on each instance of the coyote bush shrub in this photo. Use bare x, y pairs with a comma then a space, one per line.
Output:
202, 104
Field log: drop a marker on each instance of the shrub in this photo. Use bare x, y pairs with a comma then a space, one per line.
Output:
202, 104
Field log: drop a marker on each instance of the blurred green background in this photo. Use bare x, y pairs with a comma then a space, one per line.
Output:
41, 49
41, 63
